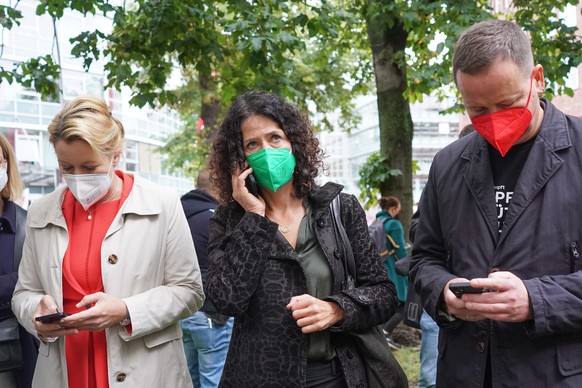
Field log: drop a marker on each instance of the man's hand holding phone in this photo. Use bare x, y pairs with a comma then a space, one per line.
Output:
502, 297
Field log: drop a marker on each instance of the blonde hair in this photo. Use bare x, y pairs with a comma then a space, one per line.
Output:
88, 119
14, 187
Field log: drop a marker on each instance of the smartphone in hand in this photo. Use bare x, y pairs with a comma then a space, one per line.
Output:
251, 184
461, 288
51, 318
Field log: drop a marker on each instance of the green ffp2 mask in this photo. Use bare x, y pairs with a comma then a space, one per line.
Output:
272, 167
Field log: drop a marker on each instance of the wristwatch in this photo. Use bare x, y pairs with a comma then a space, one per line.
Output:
125, 321
48, 340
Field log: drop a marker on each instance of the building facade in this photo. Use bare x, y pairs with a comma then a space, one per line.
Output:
24, 115
347, 153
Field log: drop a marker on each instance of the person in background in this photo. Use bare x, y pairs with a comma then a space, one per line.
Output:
12, 232
274, 261
396, 250
500, 211
114, 252
207, 332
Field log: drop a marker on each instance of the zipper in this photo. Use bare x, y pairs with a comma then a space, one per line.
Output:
575, 263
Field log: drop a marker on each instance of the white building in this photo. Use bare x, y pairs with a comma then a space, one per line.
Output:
348, 152
24, 116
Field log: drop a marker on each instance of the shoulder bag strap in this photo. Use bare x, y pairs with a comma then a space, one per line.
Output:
343, 241
20, 228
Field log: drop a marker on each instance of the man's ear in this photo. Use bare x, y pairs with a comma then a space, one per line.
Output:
538, 75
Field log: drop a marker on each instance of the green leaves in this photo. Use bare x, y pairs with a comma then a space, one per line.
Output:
9, 16
38, 73
373, 175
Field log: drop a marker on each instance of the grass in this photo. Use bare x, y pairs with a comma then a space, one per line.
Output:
408, 357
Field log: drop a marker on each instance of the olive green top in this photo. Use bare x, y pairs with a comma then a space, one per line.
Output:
319, 281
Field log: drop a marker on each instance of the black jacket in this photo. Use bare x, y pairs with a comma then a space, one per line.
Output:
541, 243
254, 272
28, 343
199, 206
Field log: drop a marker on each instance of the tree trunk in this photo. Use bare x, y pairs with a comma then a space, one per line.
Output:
396, 129
210, 107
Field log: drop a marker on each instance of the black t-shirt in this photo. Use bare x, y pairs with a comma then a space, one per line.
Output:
506, 170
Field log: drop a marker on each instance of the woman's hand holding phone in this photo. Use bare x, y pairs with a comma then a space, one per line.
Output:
99, 311
245, 192
47, 322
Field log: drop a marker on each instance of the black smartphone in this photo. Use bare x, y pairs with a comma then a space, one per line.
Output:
50, 318
464, 288
251, 184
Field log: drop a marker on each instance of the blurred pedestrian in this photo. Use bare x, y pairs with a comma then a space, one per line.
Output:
113, 251
499, 211
273, 259
396, 246
12, 232
207, 332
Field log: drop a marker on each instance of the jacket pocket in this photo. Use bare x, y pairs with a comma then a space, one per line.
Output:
569, 357
168, 334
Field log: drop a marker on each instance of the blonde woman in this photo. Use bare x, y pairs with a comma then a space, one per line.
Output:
114, 251
18, 372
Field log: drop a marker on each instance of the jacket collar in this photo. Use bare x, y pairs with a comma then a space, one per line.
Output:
321, 196
144, 199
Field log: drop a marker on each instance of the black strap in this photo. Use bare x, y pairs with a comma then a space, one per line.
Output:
19, 231
343, 241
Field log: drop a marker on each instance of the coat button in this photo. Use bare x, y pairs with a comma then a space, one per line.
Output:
480, 346
363, 298
120, 377
320, 223
494, 269
350, 354
112, 259
337, 254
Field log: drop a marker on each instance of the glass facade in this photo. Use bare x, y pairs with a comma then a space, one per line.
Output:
24, 115
347, 153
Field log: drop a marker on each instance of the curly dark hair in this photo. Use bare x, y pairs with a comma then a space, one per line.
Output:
227, 150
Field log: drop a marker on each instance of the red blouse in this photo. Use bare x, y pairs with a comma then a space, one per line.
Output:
86, 352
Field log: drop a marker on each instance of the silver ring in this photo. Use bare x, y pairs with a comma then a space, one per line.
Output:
467, 317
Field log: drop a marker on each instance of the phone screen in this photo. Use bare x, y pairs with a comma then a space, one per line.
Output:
51, 317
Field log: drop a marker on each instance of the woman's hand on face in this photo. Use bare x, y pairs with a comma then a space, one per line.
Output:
48, 306
312, 314
243, 196
102, 311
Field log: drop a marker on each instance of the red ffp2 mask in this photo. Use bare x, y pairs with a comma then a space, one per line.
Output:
503, 128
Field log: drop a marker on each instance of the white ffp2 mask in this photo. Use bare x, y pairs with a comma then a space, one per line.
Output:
3, 178
88, 188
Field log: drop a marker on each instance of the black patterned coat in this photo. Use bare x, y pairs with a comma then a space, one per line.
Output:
254, 272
